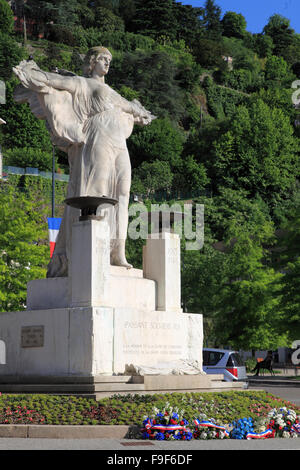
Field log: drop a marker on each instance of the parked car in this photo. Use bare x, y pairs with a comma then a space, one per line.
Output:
226, 362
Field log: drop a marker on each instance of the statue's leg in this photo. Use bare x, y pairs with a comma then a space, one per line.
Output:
123, 183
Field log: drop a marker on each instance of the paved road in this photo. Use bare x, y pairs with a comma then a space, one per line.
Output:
153, 447
291, 394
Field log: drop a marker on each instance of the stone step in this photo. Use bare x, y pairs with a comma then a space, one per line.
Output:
33, 379
120, 271
216, 376
70, 388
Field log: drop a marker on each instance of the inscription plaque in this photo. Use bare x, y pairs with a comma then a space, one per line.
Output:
32, 336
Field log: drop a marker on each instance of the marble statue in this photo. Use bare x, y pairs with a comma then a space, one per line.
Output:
91, 122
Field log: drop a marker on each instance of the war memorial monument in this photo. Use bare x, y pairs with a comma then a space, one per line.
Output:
97, 325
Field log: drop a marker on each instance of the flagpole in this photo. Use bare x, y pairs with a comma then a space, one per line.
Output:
53, 181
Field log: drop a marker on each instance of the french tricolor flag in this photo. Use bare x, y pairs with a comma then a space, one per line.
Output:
53, 226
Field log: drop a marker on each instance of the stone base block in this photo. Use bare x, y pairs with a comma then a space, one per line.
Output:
124, 286
94, 341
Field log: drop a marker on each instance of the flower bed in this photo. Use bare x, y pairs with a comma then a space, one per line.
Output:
222, 407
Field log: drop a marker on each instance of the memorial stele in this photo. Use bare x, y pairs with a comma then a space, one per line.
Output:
95, 318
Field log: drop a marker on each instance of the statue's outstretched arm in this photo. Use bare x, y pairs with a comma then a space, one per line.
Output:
140, 114
31, 76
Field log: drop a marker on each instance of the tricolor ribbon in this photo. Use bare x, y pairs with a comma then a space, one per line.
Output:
164, 427
210, 424
260, 435
296, 428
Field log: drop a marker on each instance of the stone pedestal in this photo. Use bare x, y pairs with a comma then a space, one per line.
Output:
94, 341
161, 262
89, 263
103, 318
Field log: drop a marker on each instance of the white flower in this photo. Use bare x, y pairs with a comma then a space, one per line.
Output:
285, 434
203, 435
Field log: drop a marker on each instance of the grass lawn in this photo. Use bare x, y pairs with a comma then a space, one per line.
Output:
224, 407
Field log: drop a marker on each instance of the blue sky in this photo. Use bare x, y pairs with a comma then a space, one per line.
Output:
257, 12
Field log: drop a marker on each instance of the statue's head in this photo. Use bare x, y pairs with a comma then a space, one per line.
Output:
92, 57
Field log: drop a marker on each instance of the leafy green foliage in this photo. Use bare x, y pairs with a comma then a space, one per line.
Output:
10, 55
23, 248
234, 25
161, 140
256, 152
288, 260
28, 157
153, 75
6, 18
155, 18
248, 297
212, 19
278, 28
22, 128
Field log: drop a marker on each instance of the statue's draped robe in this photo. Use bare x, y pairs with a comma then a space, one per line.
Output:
81, 123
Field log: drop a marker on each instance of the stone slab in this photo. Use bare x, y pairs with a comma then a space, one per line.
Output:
77, 432
120, 271
123, 287
98, 341
12, 430
49, 293
72, 379
176, 382
145, 338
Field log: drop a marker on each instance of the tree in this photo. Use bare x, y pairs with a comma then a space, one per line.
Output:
277, 70
247, 315
63, 12
152, 176
105, 20
257, 152
154, 76
24, 250
28, 157
22, 128
155, 18
160, 140
234, 25
278, 28
6, 18
192, 173
10, 55
212, 19
209, 53
263, 45
288, 261
189, 21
